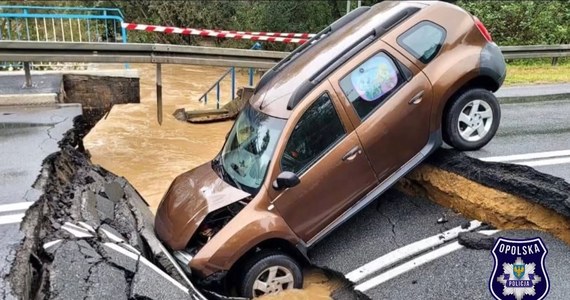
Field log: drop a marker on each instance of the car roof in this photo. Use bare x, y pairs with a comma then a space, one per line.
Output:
273, 96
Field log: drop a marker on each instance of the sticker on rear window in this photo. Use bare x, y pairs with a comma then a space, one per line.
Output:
374, 78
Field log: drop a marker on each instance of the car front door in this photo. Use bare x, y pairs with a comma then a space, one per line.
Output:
389, 100
324, 151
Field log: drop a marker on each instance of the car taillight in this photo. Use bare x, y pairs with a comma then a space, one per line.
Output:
482, 29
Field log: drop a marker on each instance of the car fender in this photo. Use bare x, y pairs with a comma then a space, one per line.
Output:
247, 229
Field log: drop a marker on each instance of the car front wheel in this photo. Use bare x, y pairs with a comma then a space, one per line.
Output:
270, 272
472, 120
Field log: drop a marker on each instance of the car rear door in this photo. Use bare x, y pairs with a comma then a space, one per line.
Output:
322, 148
388, 99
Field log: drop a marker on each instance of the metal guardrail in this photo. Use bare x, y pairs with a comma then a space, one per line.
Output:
193, 55
536, 51
176, 54
137, 53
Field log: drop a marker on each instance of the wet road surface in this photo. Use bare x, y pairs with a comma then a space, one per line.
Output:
27, 136
535, 129
396, 220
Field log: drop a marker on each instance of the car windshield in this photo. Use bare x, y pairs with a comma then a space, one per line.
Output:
248, 149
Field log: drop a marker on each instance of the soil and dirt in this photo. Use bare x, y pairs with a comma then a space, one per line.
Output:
503, 195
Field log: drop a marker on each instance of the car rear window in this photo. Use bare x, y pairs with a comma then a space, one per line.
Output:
372, 82
423, 40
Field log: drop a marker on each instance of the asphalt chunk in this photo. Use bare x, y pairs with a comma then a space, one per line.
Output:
476, 240
69, 273
89, 208
114, 191
105, 208
106, 282
148, 283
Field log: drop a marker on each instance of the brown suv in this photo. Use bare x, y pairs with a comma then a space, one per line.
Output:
329, 129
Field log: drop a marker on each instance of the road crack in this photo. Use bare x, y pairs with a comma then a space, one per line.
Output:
393, 229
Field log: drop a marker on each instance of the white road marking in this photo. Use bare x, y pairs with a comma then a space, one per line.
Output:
11, 219
407, 251
15, 206
163, 274
51, 244
77, 231
547, 162
527, 156
414, 263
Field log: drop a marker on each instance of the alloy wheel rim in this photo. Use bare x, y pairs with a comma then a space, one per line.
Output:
475, 120
273, 280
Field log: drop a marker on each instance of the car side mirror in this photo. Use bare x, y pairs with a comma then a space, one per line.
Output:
286, 180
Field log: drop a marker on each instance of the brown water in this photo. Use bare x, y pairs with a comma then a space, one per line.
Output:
130, 143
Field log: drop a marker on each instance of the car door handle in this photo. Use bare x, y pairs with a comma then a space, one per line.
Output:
417, 98
350, 155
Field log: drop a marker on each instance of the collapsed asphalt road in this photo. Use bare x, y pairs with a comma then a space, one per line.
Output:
27, 136
90, 235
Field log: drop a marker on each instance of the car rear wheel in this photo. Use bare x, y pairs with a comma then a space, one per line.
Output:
472, 120
270, 272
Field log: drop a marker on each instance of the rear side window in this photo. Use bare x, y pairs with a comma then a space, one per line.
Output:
371, 83
423, 41
318, 130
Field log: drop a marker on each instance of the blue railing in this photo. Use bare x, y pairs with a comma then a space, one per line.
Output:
60, 24
232, 72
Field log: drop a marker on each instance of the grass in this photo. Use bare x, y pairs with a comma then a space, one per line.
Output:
520, 74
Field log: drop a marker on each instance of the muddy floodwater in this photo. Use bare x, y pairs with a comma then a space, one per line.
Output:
130, 143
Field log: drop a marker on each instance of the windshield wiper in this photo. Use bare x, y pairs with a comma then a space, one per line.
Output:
224, 174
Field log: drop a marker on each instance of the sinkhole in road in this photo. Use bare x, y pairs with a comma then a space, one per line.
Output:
506, 196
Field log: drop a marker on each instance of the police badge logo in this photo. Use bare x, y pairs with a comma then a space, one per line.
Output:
519, 271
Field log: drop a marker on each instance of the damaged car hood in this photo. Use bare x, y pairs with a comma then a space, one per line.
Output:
190, 198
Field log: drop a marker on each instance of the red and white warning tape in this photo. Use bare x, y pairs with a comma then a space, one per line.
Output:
263, 33
299, 38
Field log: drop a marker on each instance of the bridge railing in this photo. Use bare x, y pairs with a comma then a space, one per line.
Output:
232, 72
59, 24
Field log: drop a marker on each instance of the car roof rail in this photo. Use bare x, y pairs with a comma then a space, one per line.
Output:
322, 34
348, 53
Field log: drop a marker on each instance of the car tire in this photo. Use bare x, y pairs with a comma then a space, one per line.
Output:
472, 120
261, 266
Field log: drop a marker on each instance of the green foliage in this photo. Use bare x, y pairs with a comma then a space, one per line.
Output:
510, 22
523, 22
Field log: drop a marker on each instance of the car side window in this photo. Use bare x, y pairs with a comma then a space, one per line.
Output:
423, 40
317, 131
371, 83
